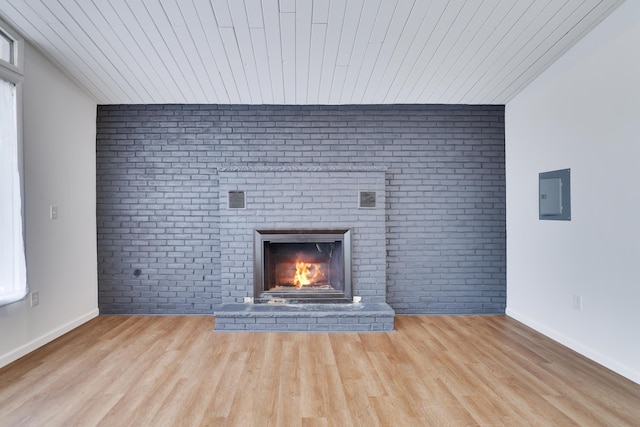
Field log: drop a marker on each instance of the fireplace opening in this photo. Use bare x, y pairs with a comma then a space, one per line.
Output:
302, 266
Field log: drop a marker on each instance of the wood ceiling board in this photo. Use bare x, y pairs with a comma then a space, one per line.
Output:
100, 47
349, 30
259, 43
386, 10
480, 62
455, 65
215, 49
246, 49
339, 76
53, 47
104, 33
228, 36
200, 45
139, 48
304, 51
320, 12
533, 26
288, 43
374, 45
254, 13
222, 13
274, 49
390, 40
287, 6
144, 29
318, 35
586, 24
368, 63
396, 68
450, 26
456, 34
361, 41
56, 24
332, 42
547, 49
181, 41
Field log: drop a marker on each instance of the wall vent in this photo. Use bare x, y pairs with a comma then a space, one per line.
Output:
236, 199
367, 200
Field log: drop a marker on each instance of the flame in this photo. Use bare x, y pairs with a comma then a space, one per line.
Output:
306, 273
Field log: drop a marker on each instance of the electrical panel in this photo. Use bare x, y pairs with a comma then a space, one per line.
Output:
554, 196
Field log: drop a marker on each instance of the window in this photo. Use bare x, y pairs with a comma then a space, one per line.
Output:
13, 274
6, 47
11, 47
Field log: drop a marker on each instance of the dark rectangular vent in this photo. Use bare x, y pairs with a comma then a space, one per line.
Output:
367, 199
236, 200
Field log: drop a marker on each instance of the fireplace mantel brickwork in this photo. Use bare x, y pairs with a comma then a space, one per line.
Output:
299, 197
302, 198
160, 211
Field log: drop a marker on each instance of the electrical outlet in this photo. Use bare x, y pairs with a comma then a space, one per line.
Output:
577, 302
53, 212
35, 298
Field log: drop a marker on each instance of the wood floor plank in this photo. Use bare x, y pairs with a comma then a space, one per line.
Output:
432, 371
288, 407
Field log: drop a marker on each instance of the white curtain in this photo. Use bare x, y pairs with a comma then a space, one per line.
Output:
13, 271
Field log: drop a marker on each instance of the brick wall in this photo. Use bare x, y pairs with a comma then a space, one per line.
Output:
158, 196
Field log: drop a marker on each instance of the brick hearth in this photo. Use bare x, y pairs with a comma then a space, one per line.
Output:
304, 317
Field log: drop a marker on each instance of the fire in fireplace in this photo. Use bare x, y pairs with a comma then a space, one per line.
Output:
301, 266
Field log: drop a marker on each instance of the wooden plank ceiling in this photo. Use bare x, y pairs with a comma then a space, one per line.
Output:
304, 51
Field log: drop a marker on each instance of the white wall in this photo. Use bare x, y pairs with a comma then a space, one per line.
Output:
59, 168
583, 113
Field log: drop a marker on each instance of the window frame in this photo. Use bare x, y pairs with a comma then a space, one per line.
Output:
13, 72
14, 69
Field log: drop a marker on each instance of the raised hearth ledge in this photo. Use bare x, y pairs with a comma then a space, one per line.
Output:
302, 168
359, 317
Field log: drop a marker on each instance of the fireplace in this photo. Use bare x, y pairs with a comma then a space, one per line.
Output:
325, 224
302, 266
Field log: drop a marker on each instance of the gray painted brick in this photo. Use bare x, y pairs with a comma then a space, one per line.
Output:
158, 195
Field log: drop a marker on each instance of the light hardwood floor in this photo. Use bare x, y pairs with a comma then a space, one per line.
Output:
432, 371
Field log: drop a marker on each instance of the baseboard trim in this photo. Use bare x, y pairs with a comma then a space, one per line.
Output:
577, 347
46, 338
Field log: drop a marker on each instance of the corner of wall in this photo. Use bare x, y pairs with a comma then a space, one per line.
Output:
59, 122
580, 114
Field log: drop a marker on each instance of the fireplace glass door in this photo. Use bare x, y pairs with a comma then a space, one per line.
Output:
302, 266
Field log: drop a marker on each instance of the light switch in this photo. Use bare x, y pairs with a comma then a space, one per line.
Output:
53, 212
